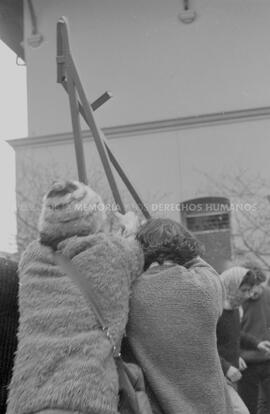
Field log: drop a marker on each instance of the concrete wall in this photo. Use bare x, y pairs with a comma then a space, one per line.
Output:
159, 70
166, 166
155, 66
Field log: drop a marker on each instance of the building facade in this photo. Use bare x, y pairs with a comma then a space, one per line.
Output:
191, 101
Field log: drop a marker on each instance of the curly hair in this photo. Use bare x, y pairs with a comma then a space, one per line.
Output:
257, 270
250, 279
165, 239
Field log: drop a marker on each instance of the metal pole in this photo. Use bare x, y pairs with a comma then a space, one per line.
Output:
98, 136
68, 76
64, 74
134, 193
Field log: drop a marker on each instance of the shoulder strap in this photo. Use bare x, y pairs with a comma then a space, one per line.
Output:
70, 270
79, 280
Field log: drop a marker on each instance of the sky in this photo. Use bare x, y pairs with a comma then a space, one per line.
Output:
13, 110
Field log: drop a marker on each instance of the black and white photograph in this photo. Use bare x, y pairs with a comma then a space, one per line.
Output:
135, 207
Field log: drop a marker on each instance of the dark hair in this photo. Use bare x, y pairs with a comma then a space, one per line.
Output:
249, 279
164, 239
257, 270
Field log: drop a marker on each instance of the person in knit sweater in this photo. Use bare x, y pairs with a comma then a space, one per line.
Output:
9, 317
174, 309
238, 282
64, 362
256, 378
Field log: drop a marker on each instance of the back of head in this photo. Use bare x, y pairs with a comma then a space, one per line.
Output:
165, 239
70, 208
255, 268
234, 278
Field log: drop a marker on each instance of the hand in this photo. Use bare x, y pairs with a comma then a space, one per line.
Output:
242, 364
264, 346
233, 374
129, 223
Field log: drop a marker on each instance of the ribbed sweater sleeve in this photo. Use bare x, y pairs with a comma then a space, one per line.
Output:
228, 338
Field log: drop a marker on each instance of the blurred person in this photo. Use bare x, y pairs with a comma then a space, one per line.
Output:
255, 321
9, 316
238, 282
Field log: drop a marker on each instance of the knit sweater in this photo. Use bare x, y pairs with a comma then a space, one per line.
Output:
64, 360
172, 332
8, 324
256, 322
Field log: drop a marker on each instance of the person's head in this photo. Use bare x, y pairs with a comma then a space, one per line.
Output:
70, 208
167, 240
238, 282
257, 290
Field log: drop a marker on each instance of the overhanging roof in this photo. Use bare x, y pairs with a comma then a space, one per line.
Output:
11, 25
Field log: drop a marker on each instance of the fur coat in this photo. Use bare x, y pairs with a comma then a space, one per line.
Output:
64, 360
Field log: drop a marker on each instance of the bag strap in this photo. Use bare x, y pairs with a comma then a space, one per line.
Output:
79, 280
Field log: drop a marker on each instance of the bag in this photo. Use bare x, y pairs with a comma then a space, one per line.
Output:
132, 395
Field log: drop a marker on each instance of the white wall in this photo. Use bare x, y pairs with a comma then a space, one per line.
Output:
155, 66
165, 167
228, 149
158, 68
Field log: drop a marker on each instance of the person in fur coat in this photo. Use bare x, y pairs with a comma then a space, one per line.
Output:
64, 362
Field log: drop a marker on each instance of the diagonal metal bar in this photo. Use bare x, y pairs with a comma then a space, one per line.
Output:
98, 137
98, 102
137, 198
66, 69
126, 180
97, 133
64, 73
101, 100
63, 49
60, 51
77, 131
